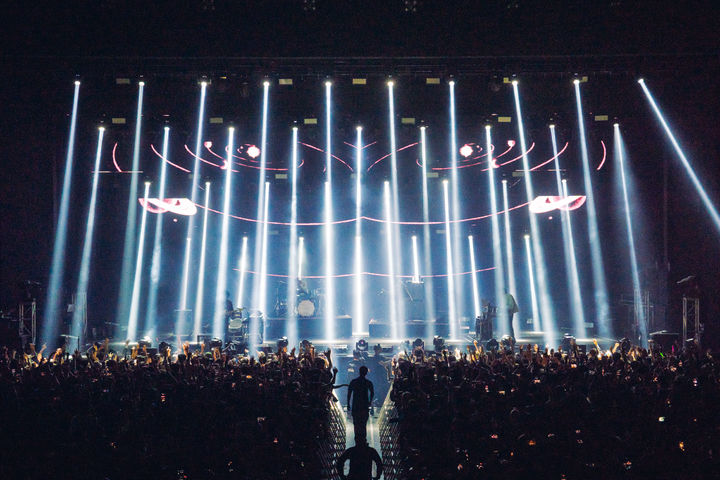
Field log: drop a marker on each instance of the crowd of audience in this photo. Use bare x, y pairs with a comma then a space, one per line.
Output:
137, 414
623, 413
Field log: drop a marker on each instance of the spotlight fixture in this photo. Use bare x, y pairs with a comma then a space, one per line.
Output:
438, 343
361, 345
282, 343
418, 343
216, 343
145, 342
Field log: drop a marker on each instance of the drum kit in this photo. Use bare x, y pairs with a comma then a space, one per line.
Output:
239, 326
308, 302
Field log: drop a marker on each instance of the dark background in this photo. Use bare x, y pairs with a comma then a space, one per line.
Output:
673, 44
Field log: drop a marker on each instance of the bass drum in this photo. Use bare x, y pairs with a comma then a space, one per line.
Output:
306, 308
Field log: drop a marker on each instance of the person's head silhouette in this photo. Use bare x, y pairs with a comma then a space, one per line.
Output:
363, 371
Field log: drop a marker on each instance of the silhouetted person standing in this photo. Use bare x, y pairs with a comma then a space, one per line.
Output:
361, 391
361, 457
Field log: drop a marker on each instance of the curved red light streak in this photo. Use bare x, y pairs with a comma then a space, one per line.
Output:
602, 162
355, 146
114, 159
277, 169
374, 274
550, 159
166, 160
332, 155
385, 156
475, 158
369, 219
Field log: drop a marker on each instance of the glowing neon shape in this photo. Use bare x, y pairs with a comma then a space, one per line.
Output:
548, 203
178, 206
466, 150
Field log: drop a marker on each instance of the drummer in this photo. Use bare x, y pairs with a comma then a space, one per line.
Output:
302, 289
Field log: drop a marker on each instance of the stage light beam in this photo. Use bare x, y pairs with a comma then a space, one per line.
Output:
258, 295
571, 269
473, 271
395, 192
455, 196
182, 311
598, 270
242, 267
329, 234
533, 291
80, 314
709, 206
151, 310
137, 282
427, 253
508, 241
200, 285
416, 260
390, 261
544, 295
358, 280
126, 275
452, 310
57, 269
499, 274
637, 288
290, 315
221, 286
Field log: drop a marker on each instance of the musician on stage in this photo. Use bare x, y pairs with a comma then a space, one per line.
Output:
511, 307
228, 315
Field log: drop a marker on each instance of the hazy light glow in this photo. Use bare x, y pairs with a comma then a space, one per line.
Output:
473, 271
359, 324
533, 291
452, 311
499, 274
544, 297
571, 269
329, 232
182, 307
220, 292
637, 288
291, 319
135, 300
508, 242
598, 269
200, 285
126, 275
711, 209
57, 270
393, 314
427, 254
151, 310
80, 314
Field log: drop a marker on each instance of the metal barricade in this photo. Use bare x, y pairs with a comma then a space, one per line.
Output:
389, 430
333, 444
